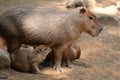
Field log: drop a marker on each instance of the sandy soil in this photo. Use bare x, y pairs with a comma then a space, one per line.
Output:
100, 59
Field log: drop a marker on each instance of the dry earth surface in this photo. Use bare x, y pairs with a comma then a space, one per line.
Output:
100, 59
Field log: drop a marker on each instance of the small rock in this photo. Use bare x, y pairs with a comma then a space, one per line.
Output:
4, 59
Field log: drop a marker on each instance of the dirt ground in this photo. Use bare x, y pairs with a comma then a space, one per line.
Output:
100, 59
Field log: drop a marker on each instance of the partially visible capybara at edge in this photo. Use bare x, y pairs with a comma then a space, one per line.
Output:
74, 53
80, 3
27, 60
47, 25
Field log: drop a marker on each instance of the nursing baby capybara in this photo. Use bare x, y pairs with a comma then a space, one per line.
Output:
74, 53
46, 25
27, 60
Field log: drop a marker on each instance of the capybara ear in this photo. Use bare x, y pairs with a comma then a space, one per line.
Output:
82, 10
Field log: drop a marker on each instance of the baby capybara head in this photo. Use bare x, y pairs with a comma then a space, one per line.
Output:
90, 24
43, 49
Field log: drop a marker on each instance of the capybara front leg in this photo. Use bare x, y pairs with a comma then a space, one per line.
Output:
57, 60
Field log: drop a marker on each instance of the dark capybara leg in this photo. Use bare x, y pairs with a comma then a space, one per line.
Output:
13, 45
59, 52
58, 58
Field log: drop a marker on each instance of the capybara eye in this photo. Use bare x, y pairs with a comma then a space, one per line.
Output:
90, 17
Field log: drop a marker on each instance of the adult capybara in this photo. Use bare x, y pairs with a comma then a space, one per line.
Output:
74, 53
27, 60
46, 25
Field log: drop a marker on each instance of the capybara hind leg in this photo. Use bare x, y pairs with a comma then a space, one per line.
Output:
13, 45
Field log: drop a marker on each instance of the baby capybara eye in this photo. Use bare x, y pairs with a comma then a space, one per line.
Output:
38, 51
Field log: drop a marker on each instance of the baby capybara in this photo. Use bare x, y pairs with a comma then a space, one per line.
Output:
26, 60
74, 53
46, 25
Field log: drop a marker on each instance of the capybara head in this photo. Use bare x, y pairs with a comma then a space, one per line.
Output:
89, 21
43, 49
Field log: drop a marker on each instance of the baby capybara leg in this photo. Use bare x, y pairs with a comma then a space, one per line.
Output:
35, 68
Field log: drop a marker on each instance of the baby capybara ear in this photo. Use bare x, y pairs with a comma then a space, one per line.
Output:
82, 10
38, 49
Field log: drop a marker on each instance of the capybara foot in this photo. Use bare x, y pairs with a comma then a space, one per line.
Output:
71, 65
58, 69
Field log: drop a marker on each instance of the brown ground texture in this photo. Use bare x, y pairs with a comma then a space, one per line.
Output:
100, 59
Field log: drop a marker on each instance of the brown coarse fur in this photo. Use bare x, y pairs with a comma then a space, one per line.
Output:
26, 60
46, 25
